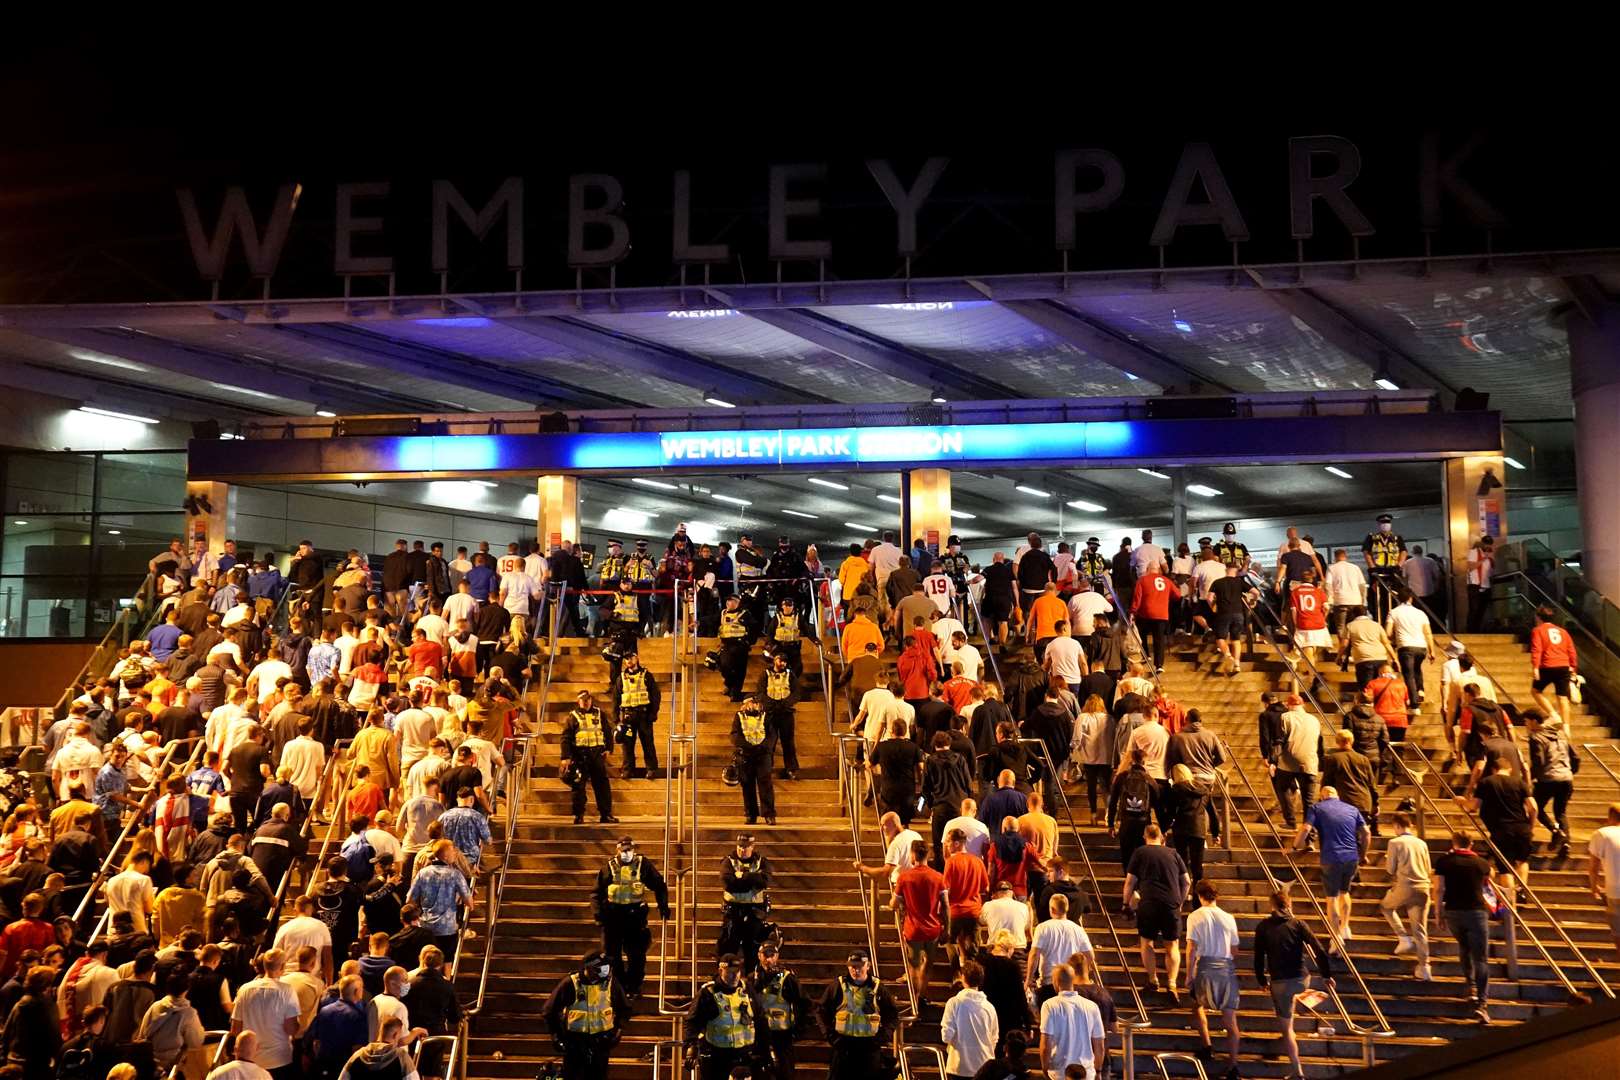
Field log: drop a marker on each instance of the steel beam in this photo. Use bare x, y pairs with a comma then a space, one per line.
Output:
648, 358
205, 366
879, 354
1348, 336
107, 393
450, 368
1104, 345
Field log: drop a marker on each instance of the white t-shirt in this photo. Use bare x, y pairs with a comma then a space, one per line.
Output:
1057, 940
1205, 575
434, 627
1153, 740
885, 559
1071, 1023
898, 854
1006, 913
940, 589
516, 589
881, 707
1215, 932
303, 930
345, 647
1149, 554
383, 1008
1605, 845
1406, 626
306, 758
267, 673
1182, 566
1084, 607
944, 627
968, 656
77, 760
263, 1006
239, 1070
976, 833
1063, 659
130, 891
230, 647
511, 564
1346, 585
459, 606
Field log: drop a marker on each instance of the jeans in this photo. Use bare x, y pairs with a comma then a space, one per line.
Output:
1472, 931
1154, 631
1284, 783
1556, 792
1098, 778
1412, 673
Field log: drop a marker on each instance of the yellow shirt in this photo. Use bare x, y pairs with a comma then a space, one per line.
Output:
857, 634
175, 909
850, 573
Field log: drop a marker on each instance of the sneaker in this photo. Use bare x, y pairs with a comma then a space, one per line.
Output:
1482, 1014
1404, 946
608, 820
1423, 974
1232, 1074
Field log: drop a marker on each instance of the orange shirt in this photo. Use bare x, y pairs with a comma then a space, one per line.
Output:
967, 880
859, 631
1046, 612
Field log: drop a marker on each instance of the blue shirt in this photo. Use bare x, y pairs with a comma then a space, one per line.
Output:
725, 571
341, 1028
436, 889
164, 639
224, 599
265, 585
110, 781
205, 781
466, 828
224, 561
1337, 823
1002, 803
322, 661
480, 580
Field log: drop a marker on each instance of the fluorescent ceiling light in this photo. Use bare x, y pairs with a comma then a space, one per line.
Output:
718, 402
1385, 383
829, 483
963, 515
19, 522
654, 484
890, 499
454, 320
1336, 471
800, 513
1088, 507
328, 413
1183, 325
1154, 472
732, 499
859, 526
231, 435
1513, 463
228, 388
115, 532
1203, 489
1037, 492
95, 411
484, 483
107, 361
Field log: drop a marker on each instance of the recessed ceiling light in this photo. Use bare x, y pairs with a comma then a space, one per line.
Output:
1183, 325
890, 499
654, 484
1385, 383
718, 402
1203, 489
732, 499
963, 515
800, 514
1088, 507
19, 522
858, 525
1513, 463
1037, 492
328, 413
96, 411
1154, 472
115, 532
231, 435
1336, 471
829, 483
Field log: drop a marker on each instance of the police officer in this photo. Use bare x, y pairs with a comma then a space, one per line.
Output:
785, 633
1230, 551
745, 880
956, 565
778, 690
785, 567
584, 750
1093, 566
609, 570
857, 1016
734, 637
1384, 550
635, 705
642, 570
751, 563
785, 1008
625, 619
620, 903
754, 737
724, 1028
585, 1014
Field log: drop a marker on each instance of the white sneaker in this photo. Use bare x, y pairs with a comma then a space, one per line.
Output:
1404, 946
1423, 974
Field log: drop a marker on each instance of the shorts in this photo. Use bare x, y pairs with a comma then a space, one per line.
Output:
1202, 610
1336, 877
1515, 847
1313, 639
1230, 627
1283, 993
995, 611
964, 927
1556, 677
922, 948
1157, 921
1215, 985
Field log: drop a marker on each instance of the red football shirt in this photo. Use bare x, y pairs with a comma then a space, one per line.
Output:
1152, 597
919, 889
968, 881
1310, 607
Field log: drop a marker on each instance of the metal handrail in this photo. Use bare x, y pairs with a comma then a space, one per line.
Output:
852, 805
307, 827
120, 629
984, 634
920, 1048
1436, 617
1512, 907
163, 770
680, 773
1592, 751
1056, 786
497, 882
1383, 1031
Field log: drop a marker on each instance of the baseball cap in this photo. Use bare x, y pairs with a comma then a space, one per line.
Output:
857, 956
1455, 647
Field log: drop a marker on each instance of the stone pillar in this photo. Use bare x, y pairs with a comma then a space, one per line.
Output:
1594, 370
928, 506
559, 511
218, 524
1178, 511
1474, 507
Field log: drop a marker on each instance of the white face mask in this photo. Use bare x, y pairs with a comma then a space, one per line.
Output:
1384, 526
627, 857
604, 971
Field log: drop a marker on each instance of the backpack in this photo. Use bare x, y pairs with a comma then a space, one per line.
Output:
1136, 797
133, 674
360, 865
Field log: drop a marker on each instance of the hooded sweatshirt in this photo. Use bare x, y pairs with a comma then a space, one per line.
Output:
379, 1061
1551, 757
173, 1028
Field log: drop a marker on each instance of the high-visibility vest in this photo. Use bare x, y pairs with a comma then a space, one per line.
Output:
632, 689
626, 607
753, 727
779, 1012
1230, 552
787, 627
857, 1013
746, 568
626, 887
1386, 549
589, 731
612, 568
731, 625
1092, 564
639, 568
733, 1025
592, 1010
743, 896
778, 685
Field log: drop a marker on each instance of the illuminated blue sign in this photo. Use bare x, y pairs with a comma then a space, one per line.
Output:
882, 445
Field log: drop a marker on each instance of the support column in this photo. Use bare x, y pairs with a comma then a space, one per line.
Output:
928, 507
1475, 506
1178, 510
218, 523
1594, 369
559, 511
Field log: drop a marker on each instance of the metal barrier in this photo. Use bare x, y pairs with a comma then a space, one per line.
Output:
681, 804
852, 806
123, 630
1162, 1062
1593, 751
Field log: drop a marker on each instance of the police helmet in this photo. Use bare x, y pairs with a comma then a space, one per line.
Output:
1229, 529
1384, 519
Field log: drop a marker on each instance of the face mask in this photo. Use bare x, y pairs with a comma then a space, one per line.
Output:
1385, 526
404, 991
604, 971
627, 857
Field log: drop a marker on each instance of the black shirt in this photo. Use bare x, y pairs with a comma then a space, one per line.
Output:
898, 758
1035, 569
998, 582
1158, 871
1464, 874
1295, 563
1501, 803
244, 762
1228, 593
454, 779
